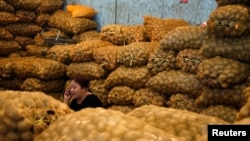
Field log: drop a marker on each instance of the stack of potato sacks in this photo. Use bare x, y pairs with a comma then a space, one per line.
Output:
201, 69
26, 114
21, 21
212, 64
187, 67
28, 30
228, 50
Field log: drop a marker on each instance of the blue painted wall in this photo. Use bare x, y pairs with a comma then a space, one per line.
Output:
130, 12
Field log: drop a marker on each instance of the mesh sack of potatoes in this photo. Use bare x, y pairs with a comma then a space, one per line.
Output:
97, 86
133, 77
11, 83
25, 16
107, 56
244, 111
7, 47
60, 53
121, 95
135, 54
25, 4
122, 108
183, 102
42, 68
37, 51
188, 60
181, 123
227, 96
7, 18
25, 115
184, 37
87, 35
46, 37
62, 20
134, 33
103, 124
88, 70
119, 34
230, 2
5, 34
113, 34
146, 96
234, 48
21, 53
24, 40
4, 6
42, 19
156, 28
47, 86
49, 6
222, 72
175, 81
24, 29
7, 67
229, 21
83, 51
226, 113
161, 60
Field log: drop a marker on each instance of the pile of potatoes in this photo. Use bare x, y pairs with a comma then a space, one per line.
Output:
135, 54
184, 37
233, 48
62, 20
135, 77
25, 115
75, 53
103, 124
120, 35
156, 28
221, 72
175, 81
227, 96
188, 60
181, 123
88, 70
107, 57
160, 60
229, 21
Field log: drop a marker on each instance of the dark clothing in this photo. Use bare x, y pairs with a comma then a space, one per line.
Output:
90, 100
